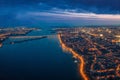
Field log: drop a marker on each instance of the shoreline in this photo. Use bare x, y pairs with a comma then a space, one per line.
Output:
82, 63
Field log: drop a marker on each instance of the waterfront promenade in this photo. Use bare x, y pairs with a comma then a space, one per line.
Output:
80, 58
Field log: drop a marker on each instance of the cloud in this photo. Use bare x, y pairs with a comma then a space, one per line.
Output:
73, 14
60, 11
95, 6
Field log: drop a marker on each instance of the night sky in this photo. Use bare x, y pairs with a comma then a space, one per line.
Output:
59, 12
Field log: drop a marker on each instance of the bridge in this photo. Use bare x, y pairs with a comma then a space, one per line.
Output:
31, 37
25, 37
20, 39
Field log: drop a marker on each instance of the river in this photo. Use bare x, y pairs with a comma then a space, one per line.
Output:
37, 60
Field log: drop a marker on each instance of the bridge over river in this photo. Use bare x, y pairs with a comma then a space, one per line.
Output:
31, 37
20, 39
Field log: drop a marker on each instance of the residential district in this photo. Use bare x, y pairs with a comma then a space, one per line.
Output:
96, 48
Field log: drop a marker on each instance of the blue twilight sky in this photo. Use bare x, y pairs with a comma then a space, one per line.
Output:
59, 12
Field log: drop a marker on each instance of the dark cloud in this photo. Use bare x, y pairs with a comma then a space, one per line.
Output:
17, 2
96, 6
15, 11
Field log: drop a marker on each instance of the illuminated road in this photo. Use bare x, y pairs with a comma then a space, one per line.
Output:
82, 63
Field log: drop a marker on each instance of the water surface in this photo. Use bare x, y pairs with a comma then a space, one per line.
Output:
37, 60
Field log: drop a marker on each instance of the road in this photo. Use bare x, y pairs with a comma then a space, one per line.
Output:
82, 63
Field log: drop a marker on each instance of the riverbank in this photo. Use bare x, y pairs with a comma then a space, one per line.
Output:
80, 58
